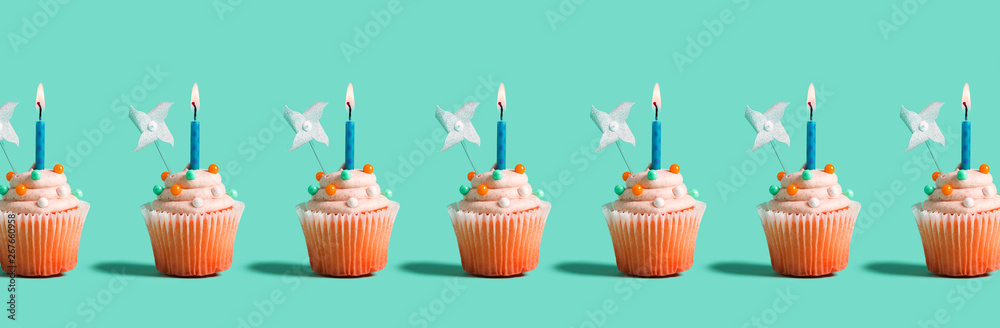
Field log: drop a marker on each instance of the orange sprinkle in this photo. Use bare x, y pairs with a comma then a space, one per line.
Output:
21, 189
675, 169
482, 189
781, 175
935, 175
636, 189
984, 169
213, 169
319, 175
59, 168
626, 175
519, 168
828, 168
331, 189
10, 175
368, 168
164, 175
792, 190
946, 189
175, 189
471, 175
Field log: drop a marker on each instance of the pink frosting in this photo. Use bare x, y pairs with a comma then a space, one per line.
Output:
52, 186
664, 187
977, 186
513, 186
200, 187
822, 186
356, 187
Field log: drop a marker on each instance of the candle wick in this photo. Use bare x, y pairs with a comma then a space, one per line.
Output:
195, 106
966, 106
501, 110
810, 111
656, 115
350, 111
39, 105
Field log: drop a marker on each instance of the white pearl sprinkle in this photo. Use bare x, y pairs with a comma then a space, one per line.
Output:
524, 191
62, 191
43, 202
813, 202
352, 202
504, 202
307, 126
613, 126
372, 191
990, 191
218, 191
659, 202
834, 191
768, 126
459, 126
922, 126
197, 202
968, 202
680, 191
151, 126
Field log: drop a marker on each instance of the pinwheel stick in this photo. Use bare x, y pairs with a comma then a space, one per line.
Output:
317, 156
623, 156
928, 144
164, 158
778, 157
469, 157
8, 157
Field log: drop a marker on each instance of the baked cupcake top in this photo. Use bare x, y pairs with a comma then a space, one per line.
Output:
38, 192
654, 192
809, 192
348, 192
192, 192
963, 192
499, 192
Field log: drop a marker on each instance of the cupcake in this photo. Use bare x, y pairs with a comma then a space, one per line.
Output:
347, 223
47, 221
499, 224
192, 223
654, 223
959, 223
809, 223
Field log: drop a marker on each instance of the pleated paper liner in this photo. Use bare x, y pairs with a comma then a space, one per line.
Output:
345, 245
498, 245
44, 244
654, 245
188, 245
808, 245
960, 245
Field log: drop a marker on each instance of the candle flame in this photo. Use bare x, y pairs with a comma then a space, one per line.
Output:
811, 97
656, 97
40, 98
966, 98
501, 99
349, 103
195, 98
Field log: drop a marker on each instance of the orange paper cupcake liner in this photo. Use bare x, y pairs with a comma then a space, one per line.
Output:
495, 245
44, 244
345, 245
960, 245
187, 245
652, 245
809, 244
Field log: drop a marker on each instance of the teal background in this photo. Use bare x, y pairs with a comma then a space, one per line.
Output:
259, 56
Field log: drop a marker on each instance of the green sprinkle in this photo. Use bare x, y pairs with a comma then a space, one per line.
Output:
807, 175
232, 193
619, 189
4, 189
497, 175
36, 175
313, 189
387, 193
774, 189
157, 189
849, 193
961, 175
464, 189
539, 193
191, 175
345, 175
78, 193
694, 193
929, 189
651, 175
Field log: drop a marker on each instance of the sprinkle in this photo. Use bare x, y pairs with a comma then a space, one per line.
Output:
36, 175
504, 202
464, 189
59, 168
497, 175
21, 190
519, 169
624, 176
792, 190
368, 169
372, 191
387, 193
774, 189
10, 175
218, 191
175, 189
197, 202
962, 175
4, 189
984, 169
651, 175
935, 175
524, 191
345, 175
43, 202
694, 193
352, 202
675, 169
539, 193
232, 193
471, 175
946, 189
813, 202
330, 189
680, 191
619, 189
834, 191
829, 169
313, 189
989, 190
929, 189
78, 193
659, 202
213, 169
968, 202
636, 190
849, 193
482, 190
319, 175
781, 175
807, 175
191, 175
157, 189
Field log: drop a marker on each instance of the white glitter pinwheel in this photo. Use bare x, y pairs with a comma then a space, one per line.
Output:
151, 125
458, 125
6, 130
768, 125
306, 125
613, 125
923, 125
